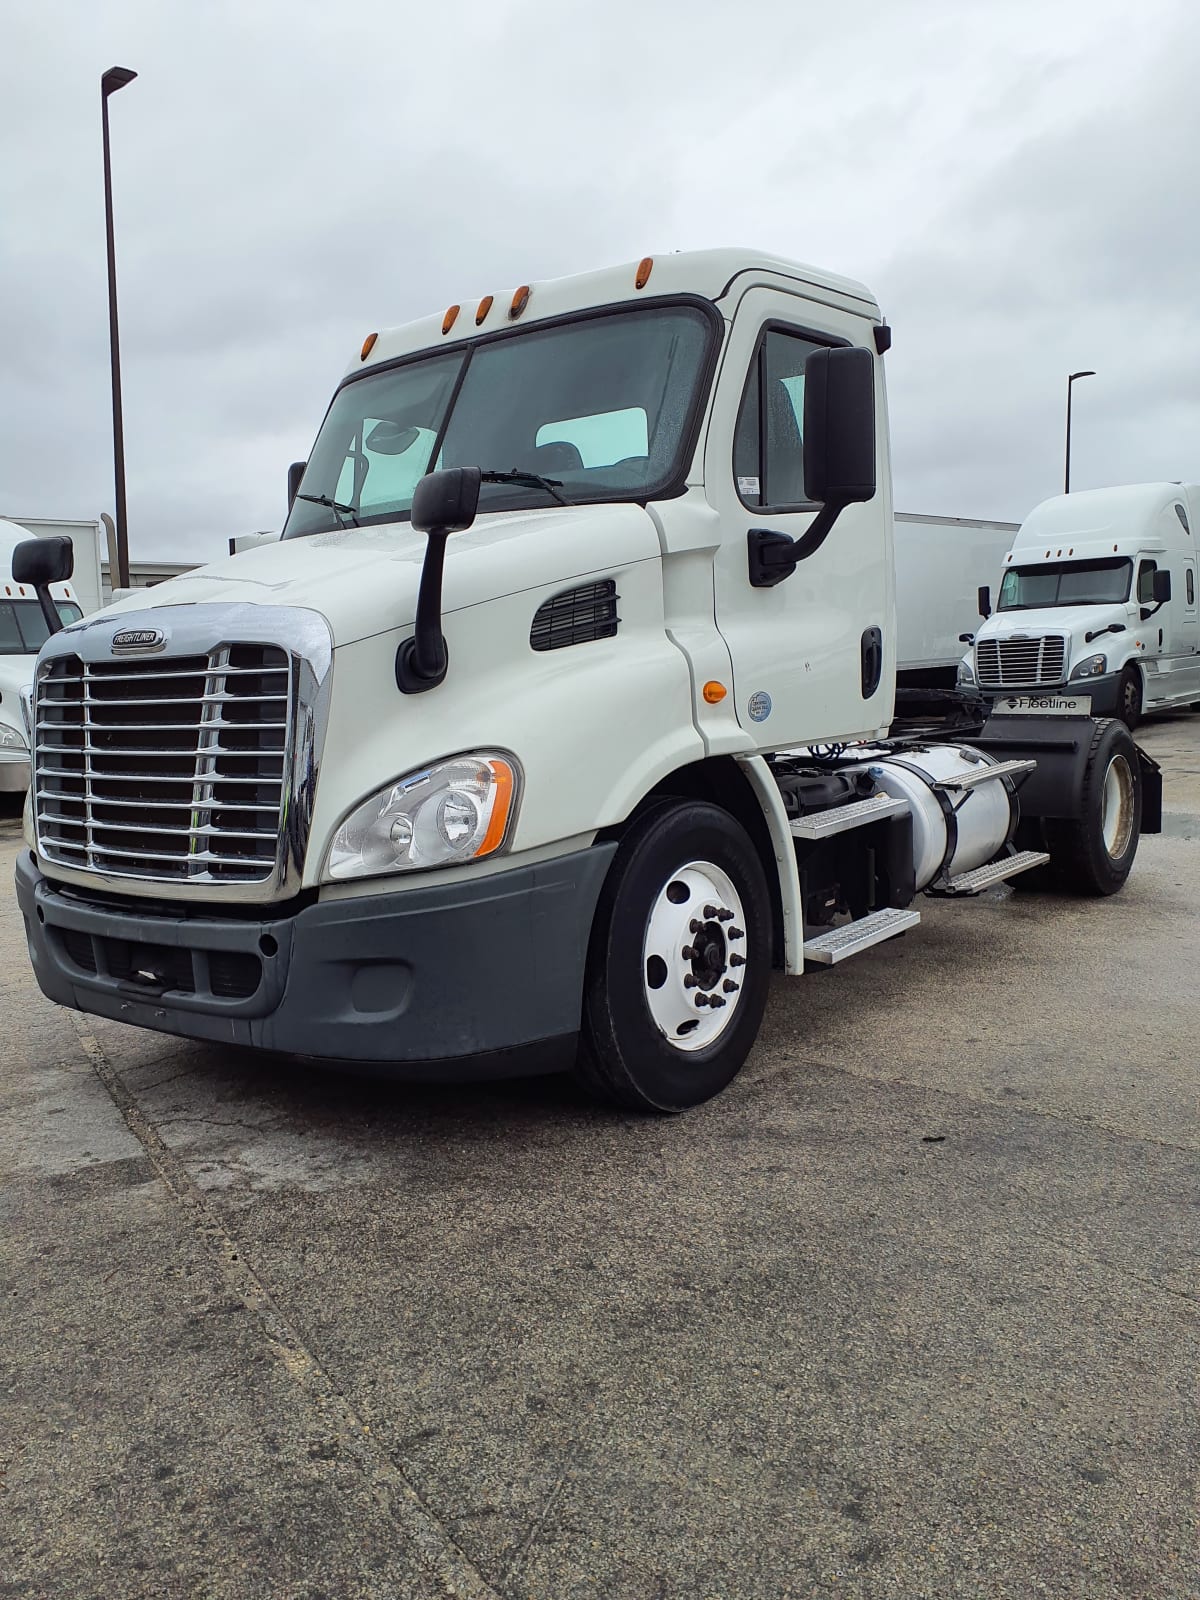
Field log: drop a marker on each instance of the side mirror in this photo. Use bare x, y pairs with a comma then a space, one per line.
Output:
443, 503
446, 501
966, 638
41, 562
1162, 588
295, 473
839, 457
984, 601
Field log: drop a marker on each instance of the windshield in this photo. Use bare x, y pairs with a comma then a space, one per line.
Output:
600, 405
23, 629
1073, 583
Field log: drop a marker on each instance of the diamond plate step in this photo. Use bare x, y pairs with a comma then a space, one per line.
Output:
837, 819
982, 774
996, 872
848, 940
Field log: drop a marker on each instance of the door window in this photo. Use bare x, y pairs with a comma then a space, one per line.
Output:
1191, 586
1145, 590
768, 445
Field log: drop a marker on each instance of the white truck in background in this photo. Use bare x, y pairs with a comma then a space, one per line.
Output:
1097, 600
23, 631
942, 563
556, 719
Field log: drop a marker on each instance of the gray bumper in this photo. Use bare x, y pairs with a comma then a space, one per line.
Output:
1104, 693
419, 978
14, 776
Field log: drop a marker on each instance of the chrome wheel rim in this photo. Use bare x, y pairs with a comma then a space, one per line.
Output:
694, 956
1116, 816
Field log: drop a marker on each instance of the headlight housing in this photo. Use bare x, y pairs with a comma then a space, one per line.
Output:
966, 675
12, 739
1090, 667
452, 811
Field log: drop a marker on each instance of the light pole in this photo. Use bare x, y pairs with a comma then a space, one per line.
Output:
1067, 473
115, 78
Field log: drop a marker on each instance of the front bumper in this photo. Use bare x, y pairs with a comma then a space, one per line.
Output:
474, 974
14, 775
1104, 692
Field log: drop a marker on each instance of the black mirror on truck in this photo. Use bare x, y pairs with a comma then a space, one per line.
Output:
295, 474
839, 456
443, 503
1162, 588
41, 562
983, 600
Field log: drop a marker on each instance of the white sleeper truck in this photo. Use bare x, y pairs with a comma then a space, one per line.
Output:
1098, 599
556, 718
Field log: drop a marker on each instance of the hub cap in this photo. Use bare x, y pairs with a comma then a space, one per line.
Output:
1116, 817
694, 956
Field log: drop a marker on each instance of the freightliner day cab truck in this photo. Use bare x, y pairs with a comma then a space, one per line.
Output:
555, 719
1098, 599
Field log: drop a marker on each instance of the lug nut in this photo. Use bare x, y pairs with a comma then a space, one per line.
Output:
736, 933
710, 912
737, 961
695, 925
688, 953
689, 982
703, 1000
716, 1002
724, 916
729, 986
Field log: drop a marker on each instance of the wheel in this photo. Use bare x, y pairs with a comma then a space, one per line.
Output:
1093, 853
1129, 697
679, 961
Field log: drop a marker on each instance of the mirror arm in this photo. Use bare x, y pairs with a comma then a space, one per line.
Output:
775, 556
49, 610
422, 661
818, 531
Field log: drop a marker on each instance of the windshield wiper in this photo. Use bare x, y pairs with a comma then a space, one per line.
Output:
533, 479
336, 506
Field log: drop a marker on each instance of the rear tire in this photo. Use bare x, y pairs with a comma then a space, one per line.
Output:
1129, 697
679, 961
1093, 853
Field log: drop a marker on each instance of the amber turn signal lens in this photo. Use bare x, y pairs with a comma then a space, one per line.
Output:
714, 692
497, 827
368, 345
485, 305
520, 300
643, 272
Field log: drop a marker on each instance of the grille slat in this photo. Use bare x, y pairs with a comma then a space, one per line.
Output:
112, 735
1020, 663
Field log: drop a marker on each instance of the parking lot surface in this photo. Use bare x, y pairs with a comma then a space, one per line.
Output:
911, 1310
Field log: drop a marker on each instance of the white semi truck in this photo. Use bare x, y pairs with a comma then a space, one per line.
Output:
556, 719
1098, 598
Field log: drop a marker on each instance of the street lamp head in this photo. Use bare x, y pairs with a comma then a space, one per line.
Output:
115, 78
1075, 375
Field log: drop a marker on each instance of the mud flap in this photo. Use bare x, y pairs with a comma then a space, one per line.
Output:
1060, 746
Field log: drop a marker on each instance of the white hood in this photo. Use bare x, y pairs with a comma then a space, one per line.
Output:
364, 580
1039, 620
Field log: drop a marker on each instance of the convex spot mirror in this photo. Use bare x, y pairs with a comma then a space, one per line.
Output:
839, 426
446, 501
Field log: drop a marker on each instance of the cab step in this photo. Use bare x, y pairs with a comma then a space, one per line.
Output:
994, 872
984, 773
838, 819
851, 937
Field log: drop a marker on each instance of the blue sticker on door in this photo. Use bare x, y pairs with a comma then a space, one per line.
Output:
759, 706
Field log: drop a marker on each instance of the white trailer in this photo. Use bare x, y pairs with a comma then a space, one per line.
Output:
941, 565
1098, 600
556, 719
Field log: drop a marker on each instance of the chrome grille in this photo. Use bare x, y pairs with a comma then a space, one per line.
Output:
1020, 663
167, 768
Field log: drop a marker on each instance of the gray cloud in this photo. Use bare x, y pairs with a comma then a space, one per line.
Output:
1016, 181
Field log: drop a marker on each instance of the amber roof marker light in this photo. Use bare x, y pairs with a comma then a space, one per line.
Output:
485, 305
450, 318
368, 345
520, 300
645, 267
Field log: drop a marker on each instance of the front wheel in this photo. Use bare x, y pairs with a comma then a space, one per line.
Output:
1093, 853
679, 962
1129, 697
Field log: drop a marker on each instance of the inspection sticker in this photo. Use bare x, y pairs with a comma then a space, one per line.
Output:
1043, 705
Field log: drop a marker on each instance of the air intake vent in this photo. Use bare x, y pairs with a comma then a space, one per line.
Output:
577, 616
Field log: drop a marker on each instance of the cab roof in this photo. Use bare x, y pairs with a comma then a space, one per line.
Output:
709, 274
1117, 520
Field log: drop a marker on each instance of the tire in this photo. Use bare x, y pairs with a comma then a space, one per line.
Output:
1129, 697
646, 1042
1093, 853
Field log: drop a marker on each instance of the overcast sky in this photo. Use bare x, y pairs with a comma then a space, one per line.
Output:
1015, 179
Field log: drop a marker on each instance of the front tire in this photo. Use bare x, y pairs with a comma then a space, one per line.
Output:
1093, 853
1129, 697
679, 962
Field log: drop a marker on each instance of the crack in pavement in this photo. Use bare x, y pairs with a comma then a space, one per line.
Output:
425, 1536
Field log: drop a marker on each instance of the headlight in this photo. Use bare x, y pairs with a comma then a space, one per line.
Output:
1091, 667
452, 811
966, 675
12, 739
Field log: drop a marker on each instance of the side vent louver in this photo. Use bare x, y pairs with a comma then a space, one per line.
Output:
577, 616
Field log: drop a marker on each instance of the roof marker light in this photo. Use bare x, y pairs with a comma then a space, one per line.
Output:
485, 305
450, 318
645, 266
368, 345
520, 300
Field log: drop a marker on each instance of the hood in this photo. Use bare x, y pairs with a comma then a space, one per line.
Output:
1074, 620
364, 581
